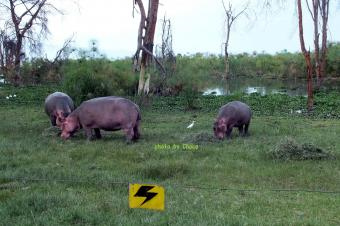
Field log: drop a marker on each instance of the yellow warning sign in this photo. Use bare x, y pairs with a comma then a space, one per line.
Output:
146, 196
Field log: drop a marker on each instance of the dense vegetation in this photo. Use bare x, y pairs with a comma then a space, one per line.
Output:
92, 74
327, 104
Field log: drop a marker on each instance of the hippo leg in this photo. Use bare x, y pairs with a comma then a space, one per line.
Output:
228, 132
53, 120
136, 131
246, 126
129, 132
240, 129
88, 132
97, 133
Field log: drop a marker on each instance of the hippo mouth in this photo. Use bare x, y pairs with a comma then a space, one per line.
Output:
65, 136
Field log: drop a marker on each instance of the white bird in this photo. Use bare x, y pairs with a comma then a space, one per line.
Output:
7, 98
10, 96
298, 111
14, 95
191, 125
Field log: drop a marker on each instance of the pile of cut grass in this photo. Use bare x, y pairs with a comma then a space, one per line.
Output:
200, 138
52, 131
290, 149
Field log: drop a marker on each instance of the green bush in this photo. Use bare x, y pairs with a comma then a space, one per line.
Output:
40, 71
86, 79
333, 60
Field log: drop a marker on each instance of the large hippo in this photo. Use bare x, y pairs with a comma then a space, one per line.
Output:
106, 113
233, 114
58, 106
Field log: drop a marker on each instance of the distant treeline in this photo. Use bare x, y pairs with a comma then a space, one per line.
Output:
92, 76
280, 65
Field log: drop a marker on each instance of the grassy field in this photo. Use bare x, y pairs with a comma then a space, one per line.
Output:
47, 181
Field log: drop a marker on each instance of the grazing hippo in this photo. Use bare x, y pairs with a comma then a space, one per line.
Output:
58, 106
233, 114
106, 113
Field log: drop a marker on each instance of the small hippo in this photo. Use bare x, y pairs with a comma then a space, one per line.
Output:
233, 114
58, 106
106, 113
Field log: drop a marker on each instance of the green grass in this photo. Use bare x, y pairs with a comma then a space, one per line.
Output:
76, 177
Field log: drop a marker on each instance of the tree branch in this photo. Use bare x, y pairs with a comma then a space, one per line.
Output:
29, 24
309, 9
28, 10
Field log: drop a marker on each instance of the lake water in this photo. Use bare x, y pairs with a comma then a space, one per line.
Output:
293, 87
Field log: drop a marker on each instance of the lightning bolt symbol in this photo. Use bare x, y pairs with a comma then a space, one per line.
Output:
143, 192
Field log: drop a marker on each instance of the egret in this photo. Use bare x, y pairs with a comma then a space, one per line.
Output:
191, 125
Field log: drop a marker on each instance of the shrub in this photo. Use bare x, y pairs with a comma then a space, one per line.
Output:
86, 79
40, 71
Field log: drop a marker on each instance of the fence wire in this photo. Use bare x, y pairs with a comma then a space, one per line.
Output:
9, 184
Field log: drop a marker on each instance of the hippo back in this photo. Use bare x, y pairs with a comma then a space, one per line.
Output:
235, 110
58, 100
105, 110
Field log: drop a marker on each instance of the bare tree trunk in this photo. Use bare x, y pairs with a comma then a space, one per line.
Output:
315, 17
17, 76
324, 14
226, 54
141, 82
146, 43
307, 59
226, 70
231, 17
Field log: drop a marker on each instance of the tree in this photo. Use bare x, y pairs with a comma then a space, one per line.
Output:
231, 17
147, 26
7, 50
25, 25
319, 11
306, 54
324, 10
166, 55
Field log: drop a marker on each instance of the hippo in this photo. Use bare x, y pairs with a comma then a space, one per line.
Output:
58, 106
233, 114
107, 113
